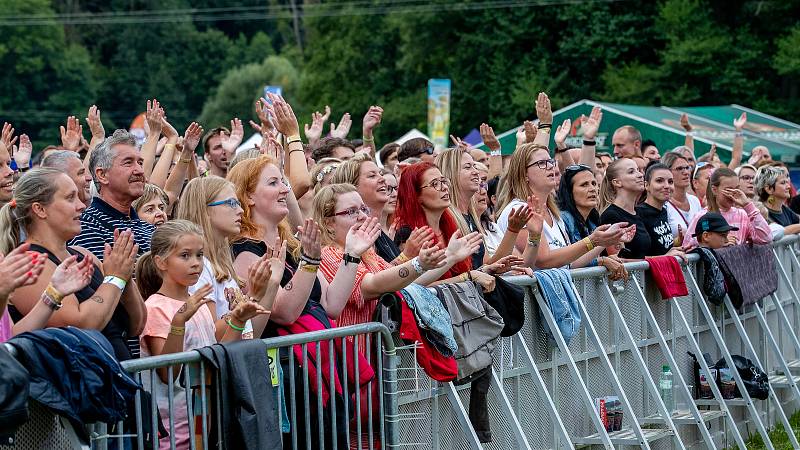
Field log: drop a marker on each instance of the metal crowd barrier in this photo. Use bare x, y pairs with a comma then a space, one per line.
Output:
543, 394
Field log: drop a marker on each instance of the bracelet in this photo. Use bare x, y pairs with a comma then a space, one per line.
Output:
534, 241
309, 260
739, 134
177, 331
293, 138
589, 142
589, 243
230, 324
50, 302
53, 293
463, 277
309, 267
366, 139
511, 230
115, 281
544, 130
401, 258
296, 150
168, 146
543, 126
690, 133
495, 152
187, 160
417, 265
561, 150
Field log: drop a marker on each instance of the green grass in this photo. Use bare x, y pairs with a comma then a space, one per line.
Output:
778, 436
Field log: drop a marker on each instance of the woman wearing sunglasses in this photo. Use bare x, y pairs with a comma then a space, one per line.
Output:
577, 201
387, 217
211, 203
682, 206
702, 172
531, 180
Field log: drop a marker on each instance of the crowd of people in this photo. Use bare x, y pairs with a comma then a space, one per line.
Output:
186, 240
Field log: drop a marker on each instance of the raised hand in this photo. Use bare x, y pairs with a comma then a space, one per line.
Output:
736, 196
543, 109
258, 276
590, 125
561, 133
530, 131
431, 256
245, 311
416, 240
685, 122
310, 239
95, 124
535, 223
459, 143
191, 137
231, 141
362, 236
154, 117
168, 131
23, 154
314, 132
119, 259
19, 268
489, 139
460, 248
264, 126
712, 153
192, 305
372, 119
277, 260
285, 120
518, 218
7, 136
71, 276
740, 122
71, 136
341, 130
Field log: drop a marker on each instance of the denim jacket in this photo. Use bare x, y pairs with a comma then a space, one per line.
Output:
558, 292
573, 230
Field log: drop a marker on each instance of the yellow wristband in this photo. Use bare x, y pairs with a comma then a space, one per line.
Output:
589, 244
177, 331
53, 293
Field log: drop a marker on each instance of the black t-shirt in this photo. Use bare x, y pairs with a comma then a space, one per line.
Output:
386, 248
259, 248
656, 222
636, 248
477, 257
784, 218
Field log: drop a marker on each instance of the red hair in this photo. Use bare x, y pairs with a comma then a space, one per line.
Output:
409, 212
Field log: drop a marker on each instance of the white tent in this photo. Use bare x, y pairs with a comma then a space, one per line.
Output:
413, 133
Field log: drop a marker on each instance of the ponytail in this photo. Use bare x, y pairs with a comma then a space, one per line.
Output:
148, 278
9, 229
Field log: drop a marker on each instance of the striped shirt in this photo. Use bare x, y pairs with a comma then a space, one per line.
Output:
98, 223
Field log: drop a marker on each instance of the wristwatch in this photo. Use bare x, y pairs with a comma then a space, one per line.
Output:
351, 259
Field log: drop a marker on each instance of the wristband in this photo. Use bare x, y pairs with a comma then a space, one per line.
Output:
690, 133
50, 302
53, 293
293, 138
309, 260
187, 160
544, 130
366, 139
589, 243
417, 265
543, 126
296, 150
116, 281
230, 324
495, 152
589, 142
401, 258
177, 331
534, 241
169, 146
739, 134
347, 258
305, 266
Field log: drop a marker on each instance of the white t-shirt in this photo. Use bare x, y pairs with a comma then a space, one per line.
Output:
221, 293
682, 218
492, 239
555, 235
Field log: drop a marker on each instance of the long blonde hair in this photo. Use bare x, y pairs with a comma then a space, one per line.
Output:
148, 277
244, 177
35, 186
198, 193
607, 190
514, 184
449, 162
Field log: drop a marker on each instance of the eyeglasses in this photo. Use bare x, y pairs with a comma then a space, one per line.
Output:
353, 212
391, 189
746, 178
231, 202
437, 184
543, 164
573, 167
697, 168
682, 169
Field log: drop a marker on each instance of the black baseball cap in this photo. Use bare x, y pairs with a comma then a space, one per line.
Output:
713, 222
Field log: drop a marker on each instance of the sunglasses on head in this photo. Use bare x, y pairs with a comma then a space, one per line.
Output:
428, 150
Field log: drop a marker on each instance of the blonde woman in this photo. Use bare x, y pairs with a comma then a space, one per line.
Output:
531, 179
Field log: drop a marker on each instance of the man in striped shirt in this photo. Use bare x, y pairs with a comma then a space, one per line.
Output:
116, 169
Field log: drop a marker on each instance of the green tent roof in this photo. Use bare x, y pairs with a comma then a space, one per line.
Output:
662, 125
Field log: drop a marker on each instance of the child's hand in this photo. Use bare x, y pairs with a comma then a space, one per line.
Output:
192, 305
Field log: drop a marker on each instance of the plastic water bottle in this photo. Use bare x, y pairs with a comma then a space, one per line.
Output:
665, 388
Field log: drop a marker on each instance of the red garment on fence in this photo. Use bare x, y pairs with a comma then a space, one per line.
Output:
432, 362
667, 273
306, 323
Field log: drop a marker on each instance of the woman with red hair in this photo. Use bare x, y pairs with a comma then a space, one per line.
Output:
423, 200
